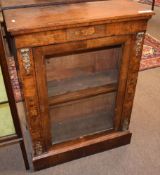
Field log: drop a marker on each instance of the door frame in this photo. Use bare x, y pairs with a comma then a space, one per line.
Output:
39, 54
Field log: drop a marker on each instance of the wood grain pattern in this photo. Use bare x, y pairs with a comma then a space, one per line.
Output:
81, 149
42, 97
122, 81
67, 16
137, 44
31, 103
72, 34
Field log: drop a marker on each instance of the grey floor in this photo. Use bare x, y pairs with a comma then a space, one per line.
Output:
141, 157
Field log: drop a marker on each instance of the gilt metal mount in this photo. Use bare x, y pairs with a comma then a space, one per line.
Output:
26, 60
139, 42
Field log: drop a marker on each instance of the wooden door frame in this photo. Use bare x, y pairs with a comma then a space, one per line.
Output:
39, 54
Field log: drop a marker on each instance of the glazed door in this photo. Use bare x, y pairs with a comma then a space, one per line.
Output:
81, 87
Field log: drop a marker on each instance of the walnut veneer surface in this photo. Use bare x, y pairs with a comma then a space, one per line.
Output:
24, 20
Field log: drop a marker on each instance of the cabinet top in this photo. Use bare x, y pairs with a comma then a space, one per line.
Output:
52, 17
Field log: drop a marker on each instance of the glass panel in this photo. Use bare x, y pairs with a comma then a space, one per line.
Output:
6, 122
3, 95
88, 116
82, 91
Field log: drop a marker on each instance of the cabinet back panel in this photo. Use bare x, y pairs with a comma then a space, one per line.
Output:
72, 120
73, 65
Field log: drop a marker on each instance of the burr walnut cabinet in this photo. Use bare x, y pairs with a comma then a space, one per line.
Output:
78, 65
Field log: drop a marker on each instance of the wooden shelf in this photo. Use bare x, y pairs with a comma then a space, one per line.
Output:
81, 126
82, 87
